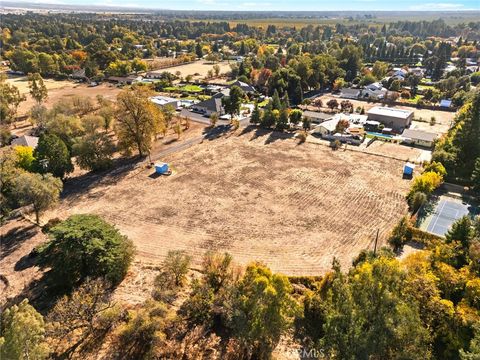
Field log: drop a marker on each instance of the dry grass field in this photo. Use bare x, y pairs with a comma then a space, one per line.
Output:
200, 67
58, 90
294, 207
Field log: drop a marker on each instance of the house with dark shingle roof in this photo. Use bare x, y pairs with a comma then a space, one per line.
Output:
210, 106
244, 86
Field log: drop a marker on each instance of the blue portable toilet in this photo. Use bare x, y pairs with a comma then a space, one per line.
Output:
161, 168
408, 169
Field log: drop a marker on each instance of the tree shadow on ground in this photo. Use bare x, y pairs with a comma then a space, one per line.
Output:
277, 135
15, 237
79, 185
216, 132
38, 292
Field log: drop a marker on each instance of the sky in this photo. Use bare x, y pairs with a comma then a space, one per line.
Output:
280, 5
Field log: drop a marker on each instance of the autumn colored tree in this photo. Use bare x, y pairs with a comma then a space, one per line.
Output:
138, 119
22, 333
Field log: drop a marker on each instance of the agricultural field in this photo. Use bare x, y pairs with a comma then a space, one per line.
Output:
200, 67
256, 196
379, 19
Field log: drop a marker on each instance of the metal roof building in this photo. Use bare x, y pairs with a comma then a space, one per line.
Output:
397, 119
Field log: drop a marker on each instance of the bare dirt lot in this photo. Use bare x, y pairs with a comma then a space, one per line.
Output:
200, 67
292, 207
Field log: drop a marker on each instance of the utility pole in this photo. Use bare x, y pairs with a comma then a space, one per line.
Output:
376, 241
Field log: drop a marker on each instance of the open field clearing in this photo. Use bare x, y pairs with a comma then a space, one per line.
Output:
200, 67
292, 207
58, 90
379, 19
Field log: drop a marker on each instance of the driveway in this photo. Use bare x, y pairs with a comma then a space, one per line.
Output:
200, 118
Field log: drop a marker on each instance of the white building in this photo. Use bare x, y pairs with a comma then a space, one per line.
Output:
163, 101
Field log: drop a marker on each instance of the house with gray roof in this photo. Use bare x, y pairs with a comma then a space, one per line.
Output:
25, 140
419, 137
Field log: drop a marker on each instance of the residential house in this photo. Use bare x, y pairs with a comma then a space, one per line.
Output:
25, 140
417, 71
244, 86
154, 75
349, 93
316, 117
163, 101
79, 74
210, 106
328, 127
374, 91
397, 119
419, 137
125, 80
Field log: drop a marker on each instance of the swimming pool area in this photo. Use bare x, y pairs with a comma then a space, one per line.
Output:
379, 135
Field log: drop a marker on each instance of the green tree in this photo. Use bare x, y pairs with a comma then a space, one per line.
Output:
459, 150
10, 99
94, 151
276, 102
52, 156
22, 334
400, 234
474, 349
256, 117
436, 167
38, 90
213, 119
233, 102
199, 50
476, 175
296, 116
176, 266
366, 315
86, 246
40, 191
462, 231
139, 65
379, 69
282, 120
351, 61
263, 310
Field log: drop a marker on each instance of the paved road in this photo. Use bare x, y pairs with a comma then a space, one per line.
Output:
205, 120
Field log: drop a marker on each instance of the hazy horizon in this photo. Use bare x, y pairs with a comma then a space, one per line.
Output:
266, 5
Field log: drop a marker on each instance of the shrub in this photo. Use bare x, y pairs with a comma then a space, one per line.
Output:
86, 246
426, 183
400, 234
